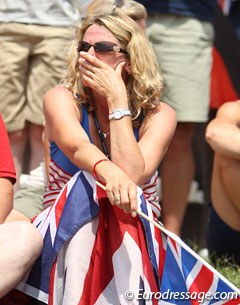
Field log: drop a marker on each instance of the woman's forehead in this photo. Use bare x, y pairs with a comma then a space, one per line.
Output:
98, 33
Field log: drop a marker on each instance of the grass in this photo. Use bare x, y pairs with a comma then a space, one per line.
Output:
223, 265
229, 270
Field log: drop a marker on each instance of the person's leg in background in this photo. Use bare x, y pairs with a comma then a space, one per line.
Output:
13, 77
223, 227
225, 190
183, 47
36, 145
35, 70
177, 173
46, 68
18, 141
47, 64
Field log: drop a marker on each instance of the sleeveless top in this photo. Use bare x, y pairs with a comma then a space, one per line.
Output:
61, 170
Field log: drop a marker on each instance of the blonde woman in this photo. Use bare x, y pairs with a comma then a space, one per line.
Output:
106, 118
104, 80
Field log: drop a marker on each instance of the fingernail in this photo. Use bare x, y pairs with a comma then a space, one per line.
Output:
134, 214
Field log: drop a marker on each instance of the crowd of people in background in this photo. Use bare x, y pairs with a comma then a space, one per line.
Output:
197, 75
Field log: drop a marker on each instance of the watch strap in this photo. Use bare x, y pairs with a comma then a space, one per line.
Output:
118, 113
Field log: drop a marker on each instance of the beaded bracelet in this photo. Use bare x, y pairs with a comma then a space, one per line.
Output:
94, 168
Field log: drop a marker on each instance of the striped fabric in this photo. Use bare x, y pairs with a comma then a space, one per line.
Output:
58, 179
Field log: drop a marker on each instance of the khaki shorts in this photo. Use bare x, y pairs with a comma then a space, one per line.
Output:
32, 60
28, 200
183, 47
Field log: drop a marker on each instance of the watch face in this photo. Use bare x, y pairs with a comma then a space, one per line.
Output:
117, 114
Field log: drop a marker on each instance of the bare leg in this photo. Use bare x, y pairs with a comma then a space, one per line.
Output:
18, 141
73, 263
177, 172
16, 215
20, 245
225, 190
36, 145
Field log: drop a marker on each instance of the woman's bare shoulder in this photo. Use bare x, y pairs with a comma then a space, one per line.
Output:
163, 109
59, 91
60, 100
161, 114
58, 96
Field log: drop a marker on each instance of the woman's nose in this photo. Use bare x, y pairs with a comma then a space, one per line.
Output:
91, 51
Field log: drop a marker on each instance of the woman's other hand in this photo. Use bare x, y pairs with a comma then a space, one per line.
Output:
120, 189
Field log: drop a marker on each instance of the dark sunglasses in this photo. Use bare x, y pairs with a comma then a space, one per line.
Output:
101, 46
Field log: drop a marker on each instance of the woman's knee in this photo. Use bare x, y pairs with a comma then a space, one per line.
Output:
31, 237
227, 163
28, 240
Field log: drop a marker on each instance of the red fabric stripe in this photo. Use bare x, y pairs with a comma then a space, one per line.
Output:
221, 3
113, 223
162, 251
51, 284
58, 167
203, 280
174, 245
60, 204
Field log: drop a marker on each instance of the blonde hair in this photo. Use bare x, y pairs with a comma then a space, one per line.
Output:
131, 8
144, 85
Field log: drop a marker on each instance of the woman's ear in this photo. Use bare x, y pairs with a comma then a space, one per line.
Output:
127, 67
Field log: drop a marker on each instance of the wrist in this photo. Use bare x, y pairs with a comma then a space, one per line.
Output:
94, 173
117, 101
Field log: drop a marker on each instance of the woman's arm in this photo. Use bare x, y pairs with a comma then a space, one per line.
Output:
6, 198
155, 135
223, 132
63, 127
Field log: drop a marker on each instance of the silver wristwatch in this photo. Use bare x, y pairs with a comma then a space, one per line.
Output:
117, 114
